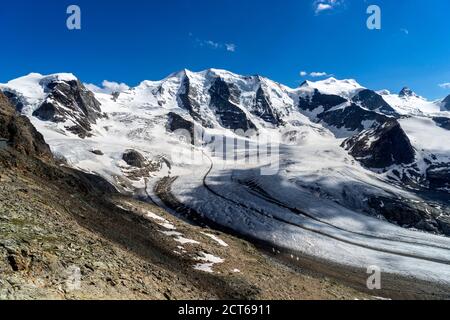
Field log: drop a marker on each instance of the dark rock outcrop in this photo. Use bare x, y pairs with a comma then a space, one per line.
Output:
97, 152
442, 122
188, 100
320, 100
366, 106
373, 101
15, 98
187, 129
351, 118
134, 159
70, 100
263, 109
224, 101
446, 104
411, 214
18, 132
438, 176
383, 145
407, 92
444, 224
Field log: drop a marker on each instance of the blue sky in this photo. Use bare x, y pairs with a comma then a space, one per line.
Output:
133, 40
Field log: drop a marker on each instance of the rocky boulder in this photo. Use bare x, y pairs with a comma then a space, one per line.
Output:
97, 152
134, 159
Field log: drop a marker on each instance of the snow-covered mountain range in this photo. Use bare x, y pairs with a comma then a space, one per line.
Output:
357, 170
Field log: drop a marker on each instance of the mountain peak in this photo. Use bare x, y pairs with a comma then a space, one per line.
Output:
306, 83
407, 92
178, 74
446, 103
333, 86
384, 92
224, 74
37, 78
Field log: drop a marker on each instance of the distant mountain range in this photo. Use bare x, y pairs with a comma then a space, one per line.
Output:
223, 100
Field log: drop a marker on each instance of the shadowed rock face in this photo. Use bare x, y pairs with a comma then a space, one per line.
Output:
264, 110
442, 122
224, 101
381, 146
70, 100
446, 103
407, 92
320, 100
365, 107
373, 101
15, 99
188, 99
411, 214
19, 133
177, 123
351, 118
438, 175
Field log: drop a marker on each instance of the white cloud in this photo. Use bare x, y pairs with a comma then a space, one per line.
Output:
212, 44
314, 74
326, 5
445, 85
323, 7
114, 86
230, 47
318, 74
94, 88
108, 87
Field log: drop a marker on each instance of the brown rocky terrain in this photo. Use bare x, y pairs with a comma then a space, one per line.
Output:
20, 133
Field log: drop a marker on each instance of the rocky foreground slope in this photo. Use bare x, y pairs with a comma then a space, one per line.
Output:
65, 234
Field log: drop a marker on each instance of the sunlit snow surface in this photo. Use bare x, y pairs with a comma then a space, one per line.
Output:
295, 208
208, 262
